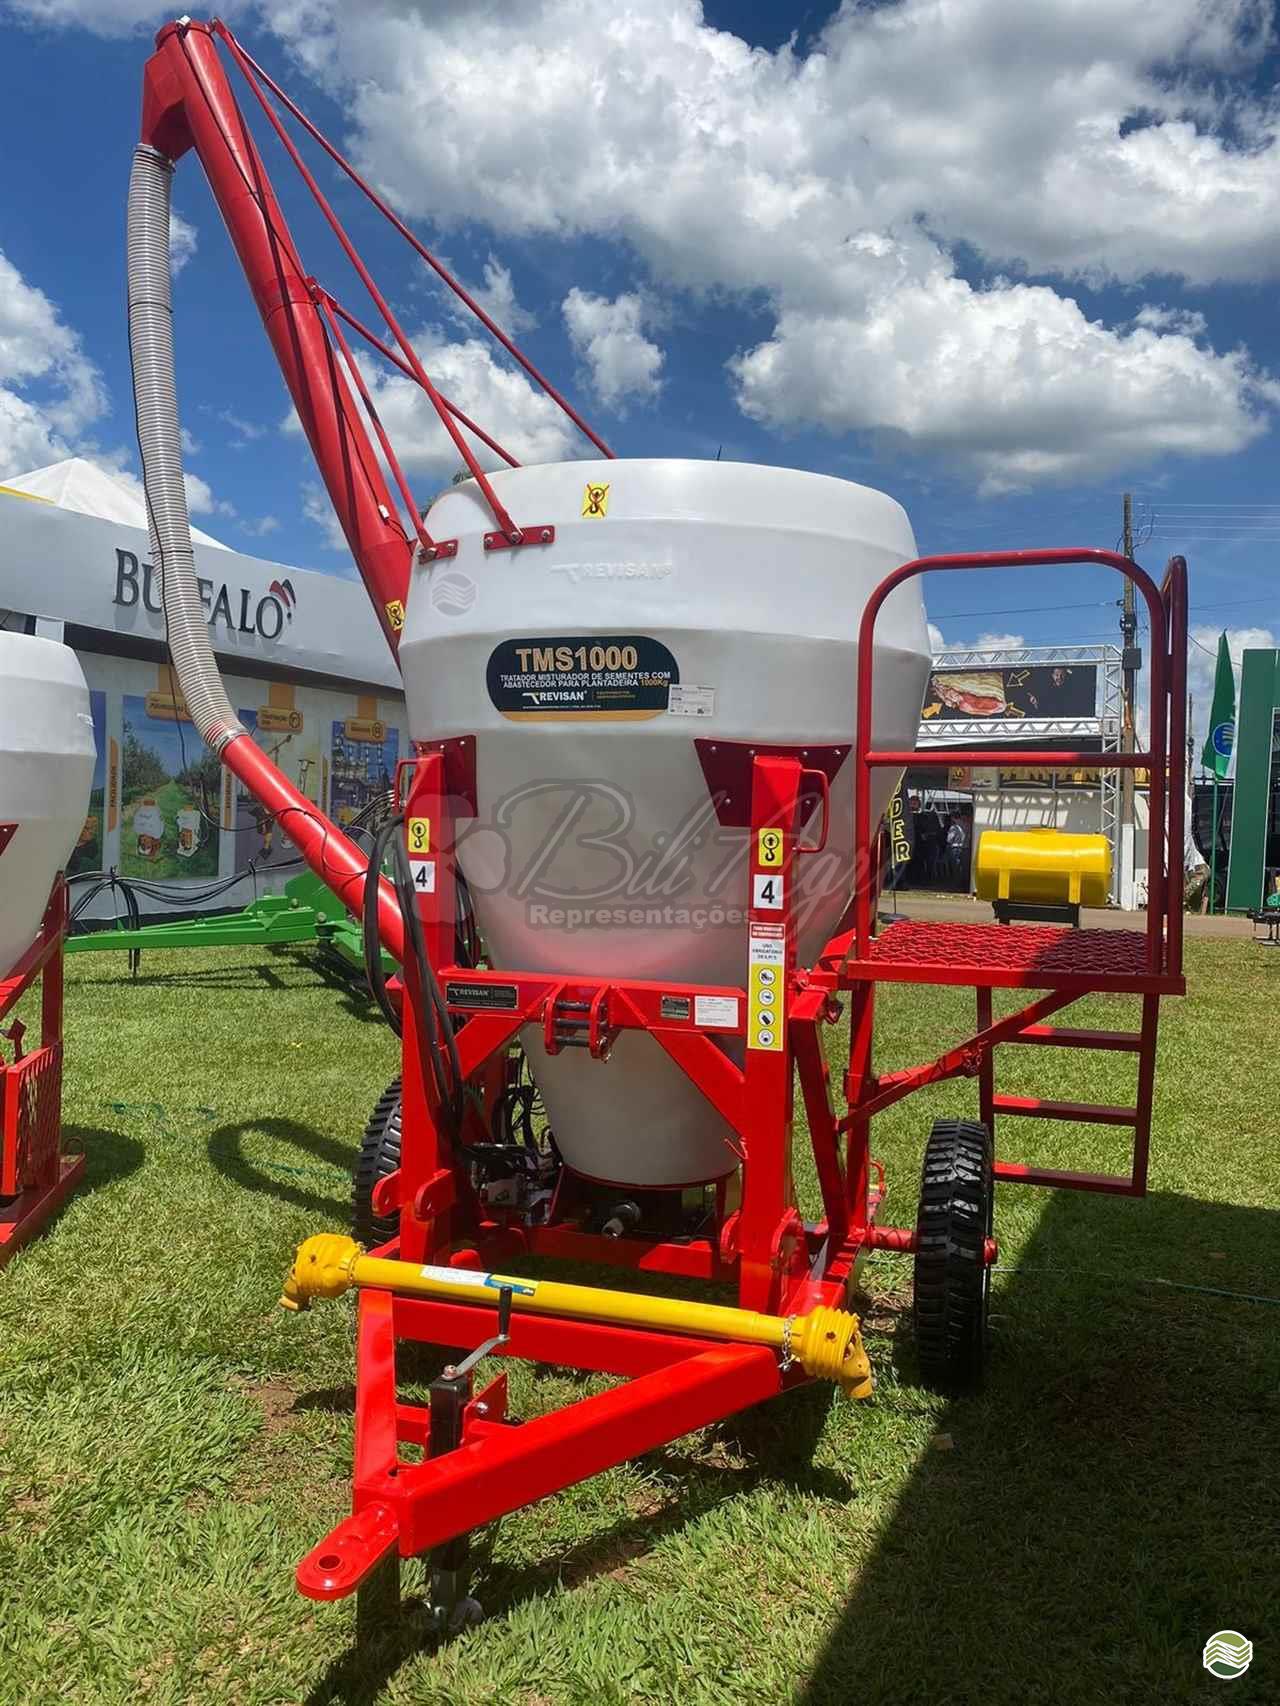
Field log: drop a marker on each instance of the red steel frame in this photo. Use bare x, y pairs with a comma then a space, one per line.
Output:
777, 1263
35, 1176
675, 1384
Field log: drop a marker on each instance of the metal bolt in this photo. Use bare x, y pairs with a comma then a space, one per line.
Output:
429, 553
516, 537
451, 1372
546, 534
482, 1409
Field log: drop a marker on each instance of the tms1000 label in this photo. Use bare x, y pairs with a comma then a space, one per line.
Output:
582, 675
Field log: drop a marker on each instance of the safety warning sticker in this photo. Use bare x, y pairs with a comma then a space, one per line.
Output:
485, 1282
595, 500
766, 991
772, 847
584, 675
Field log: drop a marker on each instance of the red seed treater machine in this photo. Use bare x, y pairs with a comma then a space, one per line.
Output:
657, 710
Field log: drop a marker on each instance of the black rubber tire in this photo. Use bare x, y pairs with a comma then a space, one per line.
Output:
952, 1279
379, 1156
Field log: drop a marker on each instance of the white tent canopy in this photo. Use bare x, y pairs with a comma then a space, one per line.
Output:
90, 490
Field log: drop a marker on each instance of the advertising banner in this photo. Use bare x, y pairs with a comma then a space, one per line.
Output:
1002, 695
291, 740
363, 752
170, 786
87, 854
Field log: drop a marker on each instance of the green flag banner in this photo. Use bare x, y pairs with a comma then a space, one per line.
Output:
1216, 756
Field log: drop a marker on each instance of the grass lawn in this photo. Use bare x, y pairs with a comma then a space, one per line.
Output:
171, 1442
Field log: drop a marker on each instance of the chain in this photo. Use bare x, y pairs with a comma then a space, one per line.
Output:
788, 1355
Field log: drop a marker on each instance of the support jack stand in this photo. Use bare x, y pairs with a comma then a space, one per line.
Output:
450, 1608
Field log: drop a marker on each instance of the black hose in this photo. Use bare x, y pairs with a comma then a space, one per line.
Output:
434, 1022
373, 972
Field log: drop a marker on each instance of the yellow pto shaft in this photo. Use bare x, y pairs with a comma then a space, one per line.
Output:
827, 1343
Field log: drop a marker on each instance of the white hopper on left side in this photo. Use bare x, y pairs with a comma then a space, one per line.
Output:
46, 771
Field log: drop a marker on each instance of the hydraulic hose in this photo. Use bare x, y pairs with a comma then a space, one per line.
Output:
329, 853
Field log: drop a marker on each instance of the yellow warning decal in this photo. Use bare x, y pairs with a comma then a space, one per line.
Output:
395, 614
595, 500
772, 848
766, 990
419, 832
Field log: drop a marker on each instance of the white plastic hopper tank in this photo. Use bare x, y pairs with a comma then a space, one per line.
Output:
46, 770
687, 600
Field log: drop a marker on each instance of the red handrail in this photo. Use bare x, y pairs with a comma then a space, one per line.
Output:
1156, 761
1173, 592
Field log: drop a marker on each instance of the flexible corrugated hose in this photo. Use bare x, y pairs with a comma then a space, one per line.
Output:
160, 445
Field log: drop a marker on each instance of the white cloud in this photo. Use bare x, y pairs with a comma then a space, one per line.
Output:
1158, 319
1051, 139
1012, 382
243, 432
1056, 135
522, 419
497, 296
985, 642
264, 525
317, 508
104, 17
1202, 664
200, 498
609, 338
182, 242
50, 392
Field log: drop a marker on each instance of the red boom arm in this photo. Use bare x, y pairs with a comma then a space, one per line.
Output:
187, 104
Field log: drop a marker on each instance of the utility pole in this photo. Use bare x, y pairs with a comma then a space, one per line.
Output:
1131, 662
1191, 739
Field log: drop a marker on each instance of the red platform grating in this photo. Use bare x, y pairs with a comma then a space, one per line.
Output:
30, 1094
1027, 951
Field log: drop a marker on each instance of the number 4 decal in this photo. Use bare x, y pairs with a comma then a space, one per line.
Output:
424, 875
766, 891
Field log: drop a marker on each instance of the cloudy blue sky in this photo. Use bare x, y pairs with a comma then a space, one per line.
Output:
1004, 261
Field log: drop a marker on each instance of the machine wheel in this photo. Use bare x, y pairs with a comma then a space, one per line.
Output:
379, 1156
952, 1280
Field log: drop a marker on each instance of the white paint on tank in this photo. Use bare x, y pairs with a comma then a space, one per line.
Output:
46, 770
595, 848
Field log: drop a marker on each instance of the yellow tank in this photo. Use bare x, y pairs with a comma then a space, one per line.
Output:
1043, 867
